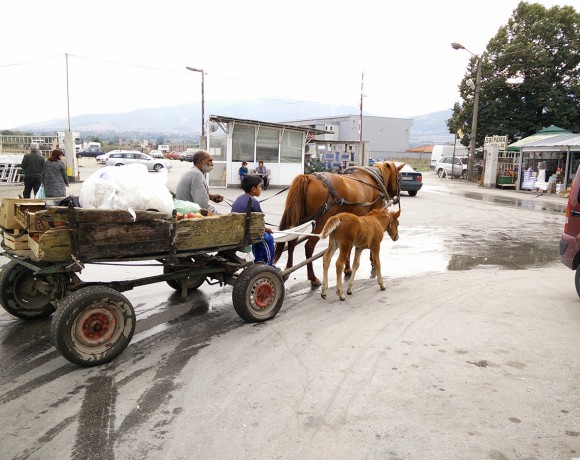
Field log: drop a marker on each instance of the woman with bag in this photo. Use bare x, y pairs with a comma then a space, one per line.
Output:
54, 177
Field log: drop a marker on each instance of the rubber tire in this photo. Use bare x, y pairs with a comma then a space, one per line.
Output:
18, 296
441, 173
193, 282
119, 164
157, 167
412, 193
267, 283
104, 301
577, 281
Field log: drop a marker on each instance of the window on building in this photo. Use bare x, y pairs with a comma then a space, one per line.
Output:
291, 148
217, 146
243, 143
267, 145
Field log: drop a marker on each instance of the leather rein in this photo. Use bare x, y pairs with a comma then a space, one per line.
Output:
339, 201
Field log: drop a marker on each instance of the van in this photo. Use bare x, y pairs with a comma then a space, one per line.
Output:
163, 148
440, 151
570, 240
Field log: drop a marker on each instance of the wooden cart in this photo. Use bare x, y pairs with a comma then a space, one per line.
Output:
93, 322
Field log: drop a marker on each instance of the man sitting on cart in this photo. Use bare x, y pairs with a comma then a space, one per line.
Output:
252, 185
193, 187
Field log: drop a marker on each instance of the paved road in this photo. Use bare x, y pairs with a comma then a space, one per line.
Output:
469, 353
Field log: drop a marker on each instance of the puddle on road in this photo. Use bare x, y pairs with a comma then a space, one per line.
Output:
526, 203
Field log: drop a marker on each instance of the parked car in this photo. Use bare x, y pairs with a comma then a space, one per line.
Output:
91, 152
188, 156
570, 239
173, 155
452, 165
101, 159
411, 180
130, 157
156, 154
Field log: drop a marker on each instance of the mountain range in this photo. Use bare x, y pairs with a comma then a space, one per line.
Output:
185, 120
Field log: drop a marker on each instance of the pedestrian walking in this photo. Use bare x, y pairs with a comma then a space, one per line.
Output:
31, 166
54, 177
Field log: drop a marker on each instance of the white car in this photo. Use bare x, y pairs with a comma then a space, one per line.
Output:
101, 159
156, 154
131, 157
446, 165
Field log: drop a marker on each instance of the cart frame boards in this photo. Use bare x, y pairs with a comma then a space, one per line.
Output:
93, 322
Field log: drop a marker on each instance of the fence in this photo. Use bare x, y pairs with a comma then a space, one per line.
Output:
10, 170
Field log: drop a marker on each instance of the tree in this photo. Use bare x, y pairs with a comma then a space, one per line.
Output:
530, 76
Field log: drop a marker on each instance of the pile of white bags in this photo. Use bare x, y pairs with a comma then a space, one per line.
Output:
129, 187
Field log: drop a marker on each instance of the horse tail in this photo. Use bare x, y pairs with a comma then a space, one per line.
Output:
331, 225
294, 210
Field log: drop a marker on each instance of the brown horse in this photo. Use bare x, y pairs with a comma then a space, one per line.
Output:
319, 196
345, 231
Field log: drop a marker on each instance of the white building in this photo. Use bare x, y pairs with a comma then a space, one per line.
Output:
284, 147
280, 146
384, 137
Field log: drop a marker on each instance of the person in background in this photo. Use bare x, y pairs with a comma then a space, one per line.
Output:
193, 187
54, 177
252, 186
243, 171
31, 165
263, 173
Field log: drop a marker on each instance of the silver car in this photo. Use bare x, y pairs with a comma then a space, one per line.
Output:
129, 157
446, 165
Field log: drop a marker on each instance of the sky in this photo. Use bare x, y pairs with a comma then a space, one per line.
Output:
122, 55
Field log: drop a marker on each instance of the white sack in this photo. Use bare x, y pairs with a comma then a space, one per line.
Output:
129, 187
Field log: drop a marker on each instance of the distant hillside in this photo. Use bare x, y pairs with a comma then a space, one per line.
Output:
430, 129
185, 120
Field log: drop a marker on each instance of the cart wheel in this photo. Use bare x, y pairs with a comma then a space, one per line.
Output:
19, 294
93, 325
258, 293
191, 282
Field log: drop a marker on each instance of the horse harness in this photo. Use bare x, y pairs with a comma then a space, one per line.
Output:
339, 201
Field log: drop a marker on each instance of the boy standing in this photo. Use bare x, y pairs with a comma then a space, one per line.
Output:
252, 185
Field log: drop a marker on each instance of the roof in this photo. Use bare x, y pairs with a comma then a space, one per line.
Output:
423, 149
306, 129
546, 133
555, 143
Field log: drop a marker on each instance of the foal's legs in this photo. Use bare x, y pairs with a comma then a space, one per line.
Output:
375, 251
326, 258
342, 258
355, 265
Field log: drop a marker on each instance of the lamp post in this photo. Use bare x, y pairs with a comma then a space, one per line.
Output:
202, 139
457, 46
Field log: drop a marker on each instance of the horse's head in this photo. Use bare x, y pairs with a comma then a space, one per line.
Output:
393, 228
391, 174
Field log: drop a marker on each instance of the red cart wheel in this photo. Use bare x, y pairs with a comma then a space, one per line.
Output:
93, 325
258, 293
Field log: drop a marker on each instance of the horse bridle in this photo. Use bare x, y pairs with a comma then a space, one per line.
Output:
337, 200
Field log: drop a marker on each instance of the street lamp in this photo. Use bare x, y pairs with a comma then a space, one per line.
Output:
202, 139
457, 46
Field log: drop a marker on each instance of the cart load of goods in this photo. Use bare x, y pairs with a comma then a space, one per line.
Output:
113, 224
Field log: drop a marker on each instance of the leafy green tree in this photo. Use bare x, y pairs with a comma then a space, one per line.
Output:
530, 76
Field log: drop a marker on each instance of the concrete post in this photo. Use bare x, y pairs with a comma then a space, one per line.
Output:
490, 170
70, 156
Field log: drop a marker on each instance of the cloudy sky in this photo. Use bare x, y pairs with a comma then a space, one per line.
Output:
124, 55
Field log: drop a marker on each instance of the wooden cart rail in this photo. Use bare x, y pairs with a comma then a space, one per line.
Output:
90, 235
